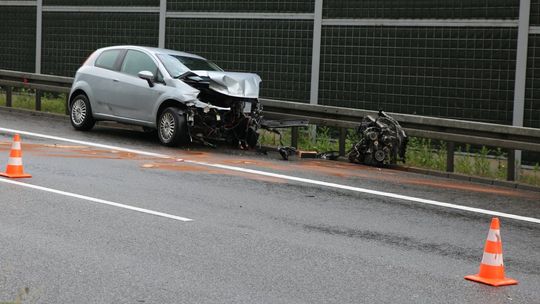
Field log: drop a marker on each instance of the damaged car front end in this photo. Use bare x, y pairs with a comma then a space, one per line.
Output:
226, 107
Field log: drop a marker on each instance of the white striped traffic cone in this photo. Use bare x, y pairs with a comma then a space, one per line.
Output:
14, 167
492, 266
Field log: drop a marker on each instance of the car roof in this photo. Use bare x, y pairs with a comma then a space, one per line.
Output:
153, 50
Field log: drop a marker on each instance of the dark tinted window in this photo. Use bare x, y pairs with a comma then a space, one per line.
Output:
107, 59
136, 61
195, 64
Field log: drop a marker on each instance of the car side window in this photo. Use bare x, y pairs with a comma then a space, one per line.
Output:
108, 59
136, 61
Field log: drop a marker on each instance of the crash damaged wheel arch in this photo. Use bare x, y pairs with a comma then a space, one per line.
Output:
208, 124
219, 106
171, 127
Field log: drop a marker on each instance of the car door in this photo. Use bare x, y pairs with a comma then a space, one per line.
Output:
134, 97
102, 80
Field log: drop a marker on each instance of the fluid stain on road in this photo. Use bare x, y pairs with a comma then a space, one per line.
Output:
183, 167
318, 167
345, 170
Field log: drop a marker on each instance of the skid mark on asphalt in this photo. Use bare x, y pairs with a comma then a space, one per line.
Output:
410, 243
287, 177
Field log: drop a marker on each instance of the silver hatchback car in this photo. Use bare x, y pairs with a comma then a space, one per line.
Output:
183, 96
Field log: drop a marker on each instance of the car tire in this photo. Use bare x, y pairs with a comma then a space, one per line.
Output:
172, 127
80, 113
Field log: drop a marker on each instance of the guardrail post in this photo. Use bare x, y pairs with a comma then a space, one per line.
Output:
9, 95
294, 137
38, 100
511, 166
450, 147
342, 141
67, 104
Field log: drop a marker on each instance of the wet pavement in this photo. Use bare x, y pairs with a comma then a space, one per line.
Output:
253, 238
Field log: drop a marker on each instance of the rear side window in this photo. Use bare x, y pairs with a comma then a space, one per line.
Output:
107, 59
136, 61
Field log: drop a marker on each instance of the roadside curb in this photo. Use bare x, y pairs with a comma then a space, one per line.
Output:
33, 113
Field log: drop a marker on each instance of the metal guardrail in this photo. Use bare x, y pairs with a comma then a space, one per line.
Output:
450, 130
39, 82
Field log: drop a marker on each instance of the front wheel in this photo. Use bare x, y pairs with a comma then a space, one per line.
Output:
172, 127
81, 113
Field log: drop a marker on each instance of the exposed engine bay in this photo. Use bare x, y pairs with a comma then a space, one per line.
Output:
232, 112
382, 141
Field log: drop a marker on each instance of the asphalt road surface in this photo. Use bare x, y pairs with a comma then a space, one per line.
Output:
110, 216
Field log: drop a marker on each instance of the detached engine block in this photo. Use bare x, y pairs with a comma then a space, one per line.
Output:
382, 141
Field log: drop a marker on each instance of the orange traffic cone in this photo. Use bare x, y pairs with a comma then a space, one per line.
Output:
15, 167
492, 267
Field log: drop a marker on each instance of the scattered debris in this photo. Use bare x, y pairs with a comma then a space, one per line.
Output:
307, 154
330, 155
285, 152
274, 125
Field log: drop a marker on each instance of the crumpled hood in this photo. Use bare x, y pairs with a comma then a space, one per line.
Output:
233, 83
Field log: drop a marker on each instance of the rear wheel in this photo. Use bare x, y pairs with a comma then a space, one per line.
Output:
81, 113
172, 127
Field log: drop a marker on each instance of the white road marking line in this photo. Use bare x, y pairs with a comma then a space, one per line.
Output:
96, 200
374, 192
291, 178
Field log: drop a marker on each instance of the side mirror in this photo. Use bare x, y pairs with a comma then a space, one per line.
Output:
148, 76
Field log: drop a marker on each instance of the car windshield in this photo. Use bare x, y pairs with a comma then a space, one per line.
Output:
177, 65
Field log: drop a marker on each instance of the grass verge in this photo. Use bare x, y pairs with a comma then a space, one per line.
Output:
25, 99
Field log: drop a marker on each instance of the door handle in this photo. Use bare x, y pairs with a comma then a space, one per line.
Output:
116, 80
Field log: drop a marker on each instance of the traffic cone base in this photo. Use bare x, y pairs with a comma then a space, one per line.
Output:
22, 175
492, 282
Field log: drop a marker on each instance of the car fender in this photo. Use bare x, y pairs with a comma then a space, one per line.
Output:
84, 86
